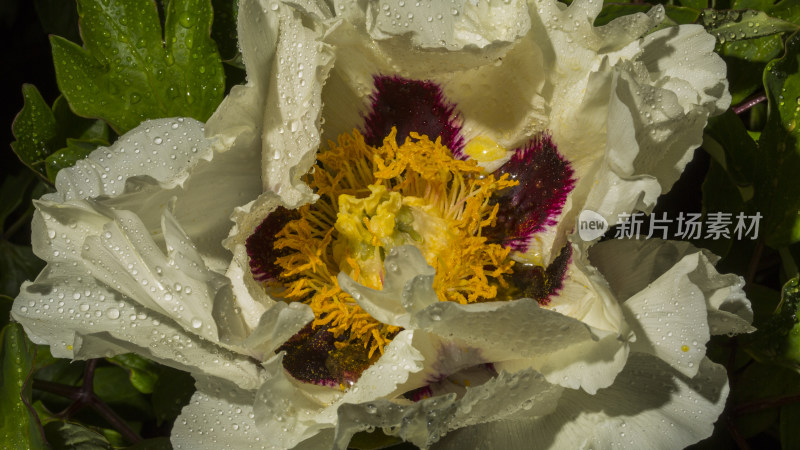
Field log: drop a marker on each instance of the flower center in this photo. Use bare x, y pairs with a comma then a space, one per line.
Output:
375, 199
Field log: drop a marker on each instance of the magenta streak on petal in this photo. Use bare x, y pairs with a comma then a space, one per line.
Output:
545, 179
261, 244
411, 105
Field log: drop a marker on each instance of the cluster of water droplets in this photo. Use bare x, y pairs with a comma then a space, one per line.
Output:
451, 24
158, 149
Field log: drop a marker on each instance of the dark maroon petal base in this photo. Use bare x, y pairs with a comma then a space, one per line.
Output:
261, 244
312, 356
306, 354
411, 105
545, 179
536, 282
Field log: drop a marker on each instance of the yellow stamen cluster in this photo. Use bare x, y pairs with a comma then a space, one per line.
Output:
442, 206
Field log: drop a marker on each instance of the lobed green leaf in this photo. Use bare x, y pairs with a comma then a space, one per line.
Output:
34, 129
66, 435
129, 71
41, 131
777, 340
733, 25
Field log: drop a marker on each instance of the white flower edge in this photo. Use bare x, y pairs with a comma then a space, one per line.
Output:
631, 94
542, 372
131, 240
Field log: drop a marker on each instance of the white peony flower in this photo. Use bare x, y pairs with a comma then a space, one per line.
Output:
320, 313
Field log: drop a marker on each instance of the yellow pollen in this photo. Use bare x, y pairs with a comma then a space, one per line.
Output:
375, 199
685, 348
483, 149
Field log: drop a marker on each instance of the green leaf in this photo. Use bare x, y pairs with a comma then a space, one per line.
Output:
720, 194
777, 184
17, 264
113, 386
172, 392
12, 193
735, 25
65, 435
790, 417
694, 4
70, 125
143, 373
733, 148
41, 131
747, 60
778, 339
129, 72
34, 130
67, 157
19, 427
223, 29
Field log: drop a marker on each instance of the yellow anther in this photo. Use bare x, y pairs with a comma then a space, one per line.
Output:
374, 199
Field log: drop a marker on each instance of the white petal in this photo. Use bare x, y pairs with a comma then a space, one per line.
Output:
143, 151
503, 330
649, 406
454, 25
688, 55
305, 409
293, 104
238, 120
492, 330
523, 394
125, 258
220, 417
729, 312
168, 162
586, 296
250, 297
277, 325
587, 365
407, 289
669, 318
67, 309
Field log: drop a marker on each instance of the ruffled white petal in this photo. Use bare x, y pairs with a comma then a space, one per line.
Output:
251, 310
521, 395
125, 222
77, 317
649, 406
220, 417
291, 134
167, 162
292, 411
727, 308
451, 25
563, 347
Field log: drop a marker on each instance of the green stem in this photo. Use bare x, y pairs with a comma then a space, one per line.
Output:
84, 396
